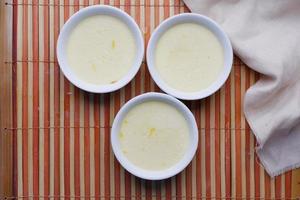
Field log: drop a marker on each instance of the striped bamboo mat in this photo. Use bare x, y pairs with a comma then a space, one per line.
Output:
61, 135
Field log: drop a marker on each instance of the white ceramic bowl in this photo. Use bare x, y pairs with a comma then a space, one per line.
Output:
69, 26
147, 174
212, 26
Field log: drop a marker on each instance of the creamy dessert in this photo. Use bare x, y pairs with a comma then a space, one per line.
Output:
101, 49
189, 57
154, 135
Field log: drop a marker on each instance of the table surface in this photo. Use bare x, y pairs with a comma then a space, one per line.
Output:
55, 138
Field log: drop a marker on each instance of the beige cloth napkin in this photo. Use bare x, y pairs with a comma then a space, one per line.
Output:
266, 36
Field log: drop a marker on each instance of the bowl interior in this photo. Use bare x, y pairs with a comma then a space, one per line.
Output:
147, 174
214, 28
71, 24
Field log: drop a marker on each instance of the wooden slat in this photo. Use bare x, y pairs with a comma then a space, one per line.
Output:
238, 107
107, 188
66, 122
25, 100
46, 101
207, 148
227, 139
56, 106
35, 102
6, 139
296, 183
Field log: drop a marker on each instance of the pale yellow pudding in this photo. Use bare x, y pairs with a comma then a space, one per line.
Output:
101, 50
154, 135
189, 57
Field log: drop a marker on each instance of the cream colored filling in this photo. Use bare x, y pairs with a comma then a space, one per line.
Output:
154, 135
101, 50
189, 57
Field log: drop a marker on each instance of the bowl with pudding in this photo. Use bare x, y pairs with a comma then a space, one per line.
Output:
189, 56
100, 49
154, 136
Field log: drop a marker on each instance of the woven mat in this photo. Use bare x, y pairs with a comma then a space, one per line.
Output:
61, 135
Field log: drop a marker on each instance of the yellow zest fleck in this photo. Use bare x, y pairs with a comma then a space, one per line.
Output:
94, 67
113, 44
124, 151
112, 82
152, 132
121, 135
125, 121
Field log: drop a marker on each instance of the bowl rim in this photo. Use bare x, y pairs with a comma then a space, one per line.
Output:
73, 21
148, 174
216, 30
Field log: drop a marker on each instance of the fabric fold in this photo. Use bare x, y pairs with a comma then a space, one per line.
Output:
266, 36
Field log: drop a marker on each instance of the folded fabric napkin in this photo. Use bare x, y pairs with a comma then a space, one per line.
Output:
266, 36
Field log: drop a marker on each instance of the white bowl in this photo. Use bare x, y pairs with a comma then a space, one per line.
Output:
147, 174
212, 26
70, 25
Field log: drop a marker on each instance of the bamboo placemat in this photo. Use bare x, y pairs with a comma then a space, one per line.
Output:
61, 135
